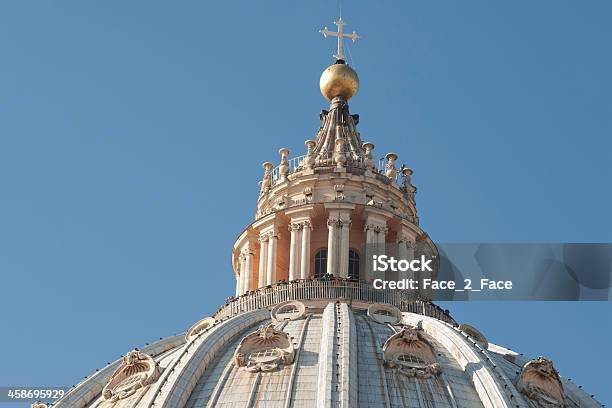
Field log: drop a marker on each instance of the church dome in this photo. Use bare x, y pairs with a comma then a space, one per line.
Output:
306, 327
326, 353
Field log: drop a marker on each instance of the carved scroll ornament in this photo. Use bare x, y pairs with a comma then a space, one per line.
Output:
137, 371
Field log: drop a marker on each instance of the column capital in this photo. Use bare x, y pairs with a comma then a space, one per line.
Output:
300, 224
338, 222
378, 228
404, 238
247, 251
295, 226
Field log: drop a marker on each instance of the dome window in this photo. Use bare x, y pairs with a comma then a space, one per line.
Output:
410, 360
266, 349
264, 356
288, 309
291, 310
353, 264
199, 327
320, 263
385, 314
409, 352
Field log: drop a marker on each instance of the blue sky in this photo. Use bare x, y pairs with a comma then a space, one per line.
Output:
132, 137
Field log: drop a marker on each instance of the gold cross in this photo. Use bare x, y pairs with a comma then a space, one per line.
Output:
340, 35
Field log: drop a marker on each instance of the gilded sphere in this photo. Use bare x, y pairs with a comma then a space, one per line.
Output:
339, 80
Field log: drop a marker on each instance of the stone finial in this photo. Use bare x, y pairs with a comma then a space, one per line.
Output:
368, 162
309, 160
407, 173
266, 182
283, 168
390, 166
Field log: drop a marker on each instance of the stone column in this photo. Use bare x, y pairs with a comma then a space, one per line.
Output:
344, 228
263, 257
242, 274
370, 249
248, 270
332, 245
237, 285
405, 251
305, 255
294, 251
375, 228
271, 261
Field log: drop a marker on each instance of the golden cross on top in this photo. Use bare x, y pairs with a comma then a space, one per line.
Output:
340, 35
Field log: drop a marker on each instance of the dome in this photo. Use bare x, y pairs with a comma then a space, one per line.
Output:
339, 80
306, 328
324, 353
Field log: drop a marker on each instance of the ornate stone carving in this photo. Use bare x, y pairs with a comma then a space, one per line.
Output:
385, 314
295, 226
369, 193
39, 405
137, 371
541, 383
281, 202
338, 222
339, 190
290, 310
411, 354
200, 326
299, 225
376, 228
264, 350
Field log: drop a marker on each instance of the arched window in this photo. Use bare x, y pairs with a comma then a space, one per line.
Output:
353, 264
320, 263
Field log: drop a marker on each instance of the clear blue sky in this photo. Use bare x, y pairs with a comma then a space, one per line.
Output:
132, 137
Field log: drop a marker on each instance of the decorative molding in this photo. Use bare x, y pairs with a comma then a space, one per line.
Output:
541, 383
411, 354
137, 371
264, 350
